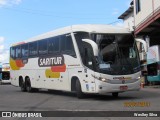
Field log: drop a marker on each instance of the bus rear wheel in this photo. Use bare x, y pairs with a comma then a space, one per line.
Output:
29, 88
22, 86
28, 85
79, 92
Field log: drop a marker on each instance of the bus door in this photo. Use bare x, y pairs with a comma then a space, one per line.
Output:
89, 70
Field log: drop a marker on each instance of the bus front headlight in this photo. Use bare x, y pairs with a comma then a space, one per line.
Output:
138, 78
100, 78
103, 79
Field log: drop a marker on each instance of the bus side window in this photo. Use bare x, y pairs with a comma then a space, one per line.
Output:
33, 49
67, 45
12, 53
56, 47
18, 52
42, 47
53, 45
24, 49
50, 45
63, 43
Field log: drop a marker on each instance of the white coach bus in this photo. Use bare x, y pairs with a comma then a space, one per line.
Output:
96, 59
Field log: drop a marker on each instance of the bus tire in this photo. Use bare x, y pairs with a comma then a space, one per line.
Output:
115, 94
79, 92
22, 85
28, 86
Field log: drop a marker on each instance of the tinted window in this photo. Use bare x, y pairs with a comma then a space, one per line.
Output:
56, 47
88, 61
42, 46
53, 45
12, 53
67, 45
24, 49
33, 49
63, 42
18, 52
79, 36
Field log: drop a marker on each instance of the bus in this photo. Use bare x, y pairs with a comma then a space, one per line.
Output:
86, 59
5, 74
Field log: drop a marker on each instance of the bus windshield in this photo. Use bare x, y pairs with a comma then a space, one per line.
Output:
6, 75
119, 52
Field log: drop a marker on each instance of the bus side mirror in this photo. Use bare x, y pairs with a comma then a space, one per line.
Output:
94, 46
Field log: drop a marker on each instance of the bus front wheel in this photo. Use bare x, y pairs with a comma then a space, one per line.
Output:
79, 92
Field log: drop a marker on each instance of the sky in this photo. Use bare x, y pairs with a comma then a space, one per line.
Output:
24, 19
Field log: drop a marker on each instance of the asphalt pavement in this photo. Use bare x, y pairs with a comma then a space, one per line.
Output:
12, 99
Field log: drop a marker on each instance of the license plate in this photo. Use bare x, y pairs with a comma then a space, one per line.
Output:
123, 87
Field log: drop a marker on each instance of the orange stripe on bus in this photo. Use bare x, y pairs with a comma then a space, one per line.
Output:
19, 63
58, 68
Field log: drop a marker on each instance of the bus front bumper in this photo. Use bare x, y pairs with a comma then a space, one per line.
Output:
104, 88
